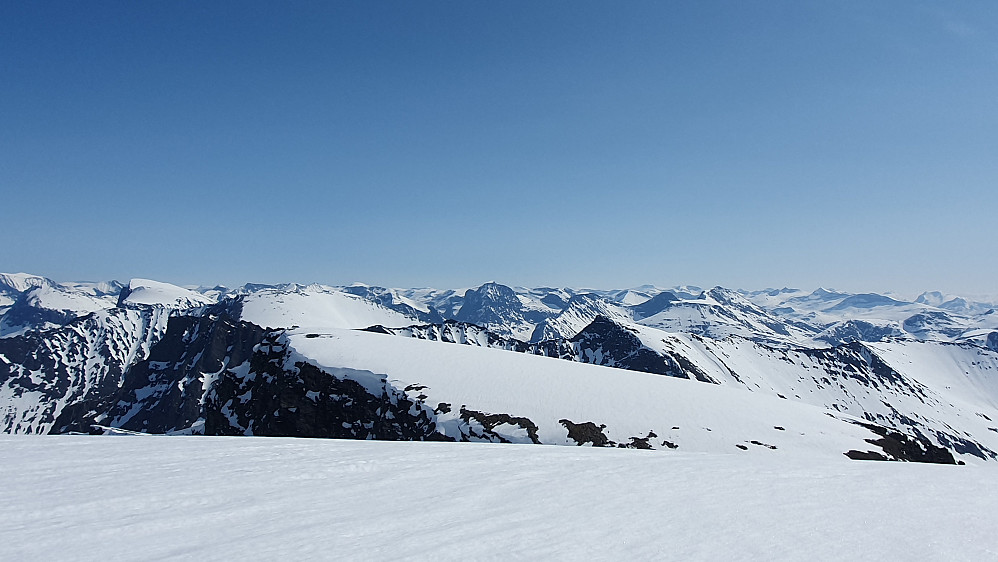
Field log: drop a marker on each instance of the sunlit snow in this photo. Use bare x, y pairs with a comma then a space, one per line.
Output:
151, 498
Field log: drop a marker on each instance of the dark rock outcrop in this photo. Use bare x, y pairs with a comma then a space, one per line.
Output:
587, 432
605, 342
897, 446
214, 375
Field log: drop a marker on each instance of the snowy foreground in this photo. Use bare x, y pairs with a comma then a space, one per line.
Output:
216, 498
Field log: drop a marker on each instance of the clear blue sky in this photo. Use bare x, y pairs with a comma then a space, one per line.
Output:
746, 144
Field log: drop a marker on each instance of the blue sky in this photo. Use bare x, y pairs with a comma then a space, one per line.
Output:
745, 144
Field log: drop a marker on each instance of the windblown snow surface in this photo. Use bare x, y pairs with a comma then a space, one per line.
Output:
247, 498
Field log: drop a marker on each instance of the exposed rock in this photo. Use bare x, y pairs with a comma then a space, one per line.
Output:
900, 447
587, 432
489, 422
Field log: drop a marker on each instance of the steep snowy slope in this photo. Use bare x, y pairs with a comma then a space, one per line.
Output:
855, 379
963, 372
579, 312
946, 393
44, 373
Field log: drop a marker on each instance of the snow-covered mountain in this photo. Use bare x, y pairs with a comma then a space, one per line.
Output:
500, 309
146, 292
720, 313
49, 306
578, 312
13, 284
843, 317
319, 306
31, 301
871, 375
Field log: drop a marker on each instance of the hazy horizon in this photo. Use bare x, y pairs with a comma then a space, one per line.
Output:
908, 296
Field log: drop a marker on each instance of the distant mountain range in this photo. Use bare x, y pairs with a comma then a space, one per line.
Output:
867, 375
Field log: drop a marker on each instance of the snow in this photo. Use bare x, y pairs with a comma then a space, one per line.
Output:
631, 297
53, 298
87, 351
713, 418
581, 311
21, 282
142, 498
149, 292
317, 307
97, 289
967, 373
946, 315
398, 298
943, 387
708, 316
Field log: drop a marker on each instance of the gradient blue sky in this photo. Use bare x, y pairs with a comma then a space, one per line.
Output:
747, 144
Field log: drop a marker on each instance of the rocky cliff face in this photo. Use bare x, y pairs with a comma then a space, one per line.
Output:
43, 373
213, 375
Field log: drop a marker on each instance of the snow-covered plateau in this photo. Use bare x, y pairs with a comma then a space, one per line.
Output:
251, 498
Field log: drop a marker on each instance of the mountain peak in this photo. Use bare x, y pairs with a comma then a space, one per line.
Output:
147, 292
21, 282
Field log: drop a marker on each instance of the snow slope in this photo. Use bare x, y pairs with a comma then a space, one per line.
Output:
966, 373
721, 313
204, 498
78, 303
146, 292
48, 306
21, 282
579, 312
465, 384
318, 307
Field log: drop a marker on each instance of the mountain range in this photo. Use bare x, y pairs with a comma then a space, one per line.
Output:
869, 376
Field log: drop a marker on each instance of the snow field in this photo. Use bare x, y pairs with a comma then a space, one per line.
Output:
149, 292
318, 308
710, 418
217, 498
